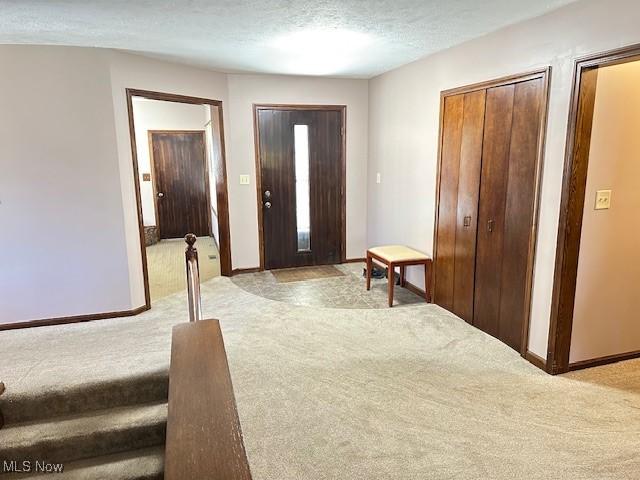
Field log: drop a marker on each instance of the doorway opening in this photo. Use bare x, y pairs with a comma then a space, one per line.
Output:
181, 187
597, 277
300, 172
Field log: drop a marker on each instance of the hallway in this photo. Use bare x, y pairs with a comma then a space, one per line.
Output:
165, 261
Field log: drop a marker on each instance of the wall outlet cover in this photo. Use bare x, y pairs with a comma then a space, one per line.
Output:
603, 200
378, 177
244, 180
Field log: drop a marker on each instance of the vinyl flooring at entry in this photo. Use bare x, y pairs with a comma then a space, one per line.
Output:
345, 291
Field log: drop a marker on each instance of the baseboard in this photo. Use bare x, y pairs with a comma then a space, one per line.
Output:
413, 288
46, 322
536, 360
354, 260
417, 290
596, 362
238, 271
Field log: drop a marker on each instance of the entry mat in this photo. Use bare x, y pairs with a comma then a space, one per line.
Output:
287, 275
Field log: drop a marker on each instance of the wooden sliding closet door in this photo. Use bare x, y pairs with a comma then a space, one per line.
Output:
493, 193
467, 212
457, 215
489, 160
507, 204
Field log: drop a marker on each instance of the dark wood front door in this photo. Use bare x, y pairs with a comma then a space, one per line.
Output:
181, 183
301, 168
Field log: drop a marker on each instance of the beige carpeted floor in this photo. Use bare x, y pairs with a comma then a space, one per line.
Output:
166, 265
403, 393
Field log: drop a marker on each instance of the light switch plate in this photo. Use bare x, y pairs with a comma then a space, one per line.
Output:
244, 179
603, 200
378, 177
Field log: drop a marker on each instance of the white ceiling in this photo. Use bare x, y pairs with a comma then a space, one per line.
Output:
351, 38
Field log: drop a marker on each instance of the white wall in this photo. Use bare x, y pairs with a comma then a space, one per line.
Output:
69, 241
160, 115
62, 248
67, 197
244, 91
403, 126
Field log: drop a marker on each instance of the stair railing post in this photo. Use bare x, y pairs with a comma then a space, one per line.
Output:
193, 278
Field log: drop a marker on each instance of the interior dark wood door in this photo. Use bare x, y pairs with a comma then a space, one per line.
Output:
507, 204
181, 183
289, 239
458, 206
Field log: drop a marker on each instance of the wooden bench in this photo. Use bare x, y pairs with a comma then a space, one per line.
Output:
393, 256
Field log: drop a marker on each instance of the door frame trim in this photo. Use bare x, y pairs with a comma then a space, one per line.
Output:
343, 196
571, 212
221, 184
154, 170
545, 75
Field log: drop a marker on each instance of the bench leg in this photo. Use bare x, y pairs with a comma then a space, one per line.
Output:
391, 274
427, 282
403, 275
368, 272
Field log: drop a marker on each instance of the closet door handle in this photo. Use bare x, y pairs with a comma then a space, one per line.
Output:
490, 225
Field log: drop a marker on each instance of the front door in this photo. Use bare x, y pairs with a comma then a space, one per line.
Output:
181, 183
301, 162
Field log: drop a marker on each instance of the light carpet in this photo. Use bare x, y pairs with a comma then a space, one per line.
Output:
406, 393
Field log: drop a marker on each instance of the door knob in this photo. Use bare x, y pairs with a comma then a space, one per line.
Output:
160, 194
267, 204
267, 194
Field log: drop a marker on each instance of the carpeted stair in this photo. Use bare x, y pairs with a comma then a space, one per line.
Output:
111, 430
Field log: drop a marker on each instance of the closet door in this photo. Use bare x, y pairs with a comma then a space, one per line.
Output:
448, 200
493, 194
506, 209
461, 153
467, 208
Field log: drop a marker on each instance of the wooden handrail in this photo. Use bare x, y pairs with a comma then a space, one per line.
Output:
204, 439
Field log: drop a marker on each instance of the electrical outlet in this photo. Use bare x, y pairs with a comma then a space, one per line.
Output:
244, 180
603, 200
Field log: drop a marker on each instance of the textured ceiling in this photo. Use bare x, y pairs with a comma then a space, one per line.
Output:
352, 38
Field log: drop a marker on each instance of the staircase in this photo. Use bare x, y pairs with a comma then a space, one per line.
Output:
113, 430
117, 429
